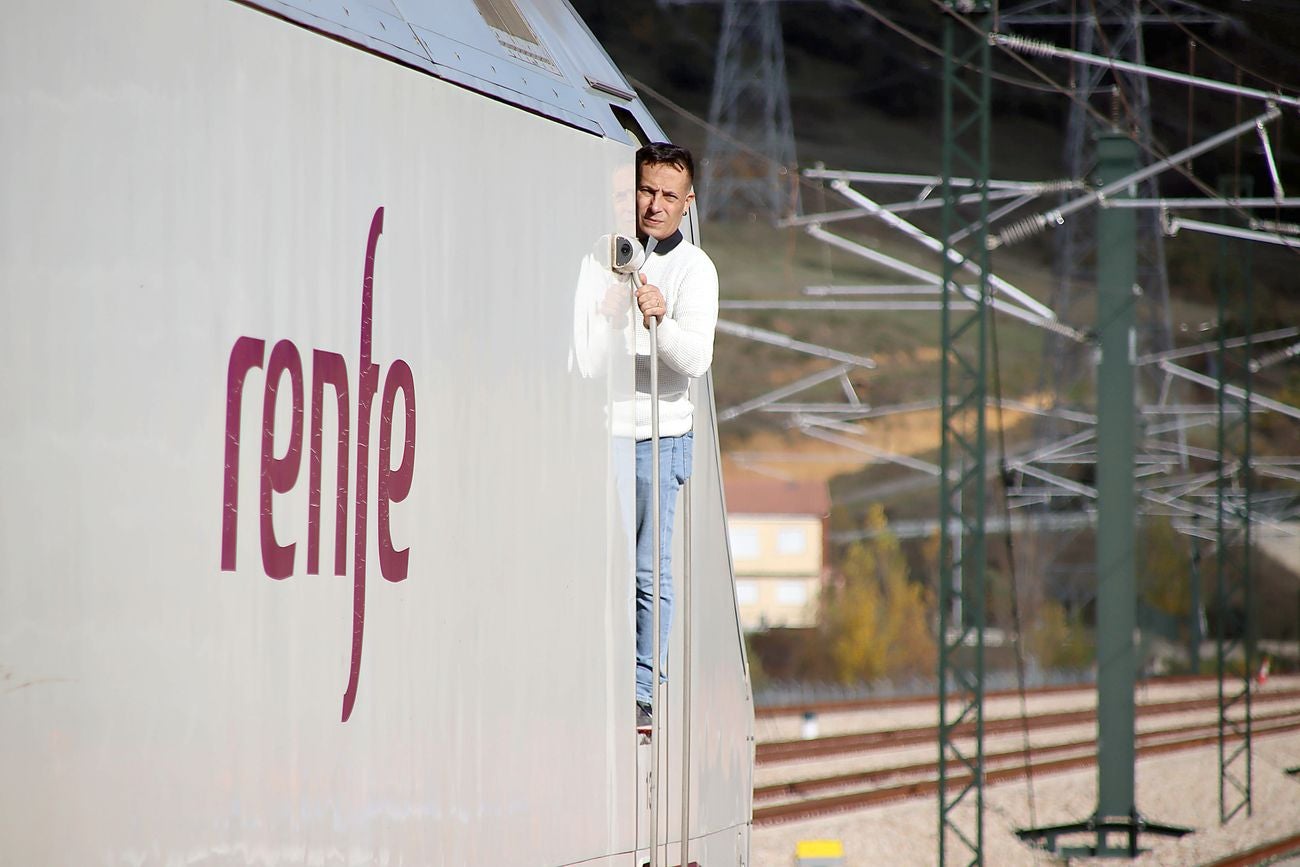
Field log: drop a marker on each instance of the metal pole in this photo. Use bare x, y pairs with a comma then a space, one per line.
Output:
656, 706
963, 385
685, 668
1116, 507
1233, 494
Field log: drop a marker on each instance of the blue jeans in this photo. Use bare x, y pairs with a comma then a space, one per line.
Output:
674, 470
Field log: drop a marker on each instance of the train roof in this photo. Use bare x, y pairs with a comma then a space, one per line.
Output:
536, 54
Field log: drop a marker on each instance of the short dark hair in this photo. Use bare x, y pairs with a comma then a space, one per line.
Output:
666, 153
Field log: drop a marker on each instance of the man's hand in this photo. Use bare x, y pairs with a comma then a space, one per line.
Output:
614, 303
651, 302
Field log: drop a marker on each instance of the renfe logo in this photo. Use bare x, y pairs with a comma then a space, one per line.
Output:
280, 474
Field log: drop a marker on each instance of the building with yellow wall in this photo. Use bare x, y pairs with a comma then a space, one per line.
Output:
778, 533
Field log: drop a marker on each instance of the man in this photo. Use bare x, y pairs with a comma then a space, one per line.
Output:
680, 290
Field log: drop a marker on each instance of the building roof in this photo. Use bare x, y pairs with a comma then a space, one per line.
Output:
761, 496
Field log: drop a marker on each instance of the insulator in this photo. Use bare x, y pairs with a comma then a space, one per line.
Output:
1060, 186
1039, 47
1072, 333
1022, 229
1274, 226
1272, 358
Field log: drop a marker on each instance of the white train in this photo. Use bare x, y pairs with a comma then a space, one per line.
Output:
313, 546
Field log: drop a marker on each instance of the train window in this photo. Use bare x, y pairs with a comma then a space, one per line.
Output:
629, 123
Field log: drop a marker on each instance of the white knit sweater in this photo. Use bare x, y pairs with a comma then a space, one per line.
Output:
689, 283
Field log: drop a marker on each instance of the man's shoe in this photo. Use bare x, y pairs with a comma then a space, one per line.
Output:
644, 719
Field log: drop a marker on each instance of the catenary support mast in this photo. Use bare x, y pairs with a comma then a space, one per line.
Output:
1117, 290
963, 390
1234, 602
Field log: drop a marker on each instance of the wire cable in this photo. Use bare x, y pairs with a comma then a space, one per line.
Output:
1209, 46
930, 47
1158, 146
1150, 151
1017, 643
1049, 85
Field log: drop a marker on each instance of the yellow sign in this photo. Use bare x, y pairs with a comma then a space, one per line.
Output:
819, 849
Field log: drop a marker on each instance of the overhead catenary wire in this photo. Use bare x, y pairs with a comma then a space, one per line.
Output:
1052, 86
1086, 106
1043, 48
932, 278
933, 244
1030, 226
1158, 5
1151, 150
1176, 224
1018, 640
930, 47
1021, 229
1049, 85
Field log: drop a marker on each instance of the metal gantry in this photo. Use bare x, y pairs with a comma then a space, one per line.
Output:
963, 391
1233, 580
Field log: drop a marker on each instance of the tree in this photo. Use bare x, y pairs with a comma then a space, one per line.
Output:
875, 619
1059, 640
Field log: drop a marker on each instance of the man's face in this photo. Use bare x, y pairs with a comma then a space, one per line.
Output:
663, 191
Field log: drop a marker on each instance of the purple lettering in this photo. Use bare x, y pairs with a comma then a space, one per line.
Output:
395, 484
279, 474
368, 384
328, 367
246, 355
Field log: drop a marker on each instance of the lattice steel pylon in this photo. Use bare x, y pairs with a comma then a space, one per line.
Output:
1233, 579
749, 162
963, 386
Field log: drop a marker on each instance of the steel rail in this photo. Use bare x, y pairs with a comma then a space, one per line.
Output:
1263, 854
800, 788
924, 788
881, 702
784, 751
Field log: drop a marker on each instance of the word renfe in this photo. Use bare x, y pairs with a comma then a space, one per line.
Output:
280, 474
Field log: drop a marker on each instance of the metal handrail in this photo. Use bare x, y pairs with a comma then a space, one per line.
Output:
656, 706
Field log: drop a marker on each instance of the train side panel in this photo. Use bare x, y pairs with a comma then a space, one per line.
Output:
197, 201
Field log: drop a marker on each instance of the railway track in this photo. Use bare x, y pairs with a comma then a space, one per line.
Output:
803, 788
878, 703
794, 750
1261, 854
789, 811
